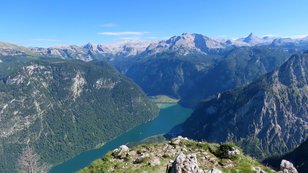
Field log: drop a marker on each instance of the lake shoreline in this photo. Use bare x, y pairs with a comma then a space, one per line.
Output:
169, 116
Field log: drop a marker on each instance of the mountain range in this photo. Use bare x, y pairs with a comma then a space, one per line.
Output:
266, 117
246, 90
187, 63
182, 45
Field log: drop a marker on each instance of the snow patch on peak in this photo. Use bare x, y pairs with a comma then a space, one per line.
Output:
125, 48
185, 44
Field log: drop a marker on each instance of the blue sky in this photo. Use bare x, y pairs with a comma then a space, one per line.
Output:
58, 22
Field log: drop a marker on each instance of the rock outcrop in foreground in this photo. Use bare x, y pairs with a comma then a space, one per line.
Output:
287, 167
298, 157
180, 155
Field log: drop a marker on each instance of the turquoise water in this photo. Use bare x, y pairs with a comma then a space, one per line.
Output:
169, 117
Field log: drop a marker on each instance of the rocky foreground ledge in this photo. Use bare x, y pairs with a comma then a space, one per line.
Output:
181, 155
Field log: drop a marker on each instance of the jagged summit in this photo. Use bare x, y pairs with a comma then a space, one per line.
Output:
186, 44
251, 37
250, 40
90, 46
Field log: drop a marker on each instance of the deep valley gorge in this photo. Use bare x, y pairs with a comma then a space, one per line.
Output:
153, 86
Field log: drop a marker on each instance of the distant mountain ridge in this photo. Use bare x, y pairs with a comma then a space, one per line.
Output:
268, 116
184, 66
91, 52
183, 45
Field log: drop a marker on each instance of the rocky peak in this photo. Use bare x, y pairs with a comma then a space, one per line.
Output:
252, 39
186, 44
179, 155
90, 46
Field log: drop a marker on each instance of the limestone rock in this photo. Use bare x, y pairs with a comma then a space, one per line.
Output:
233, 152
121, 152
185, 164
287, 167
154, 161
227, 151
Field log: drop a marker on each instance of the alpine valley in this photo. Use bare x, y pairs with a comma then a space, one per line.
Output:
251, 92
61, 108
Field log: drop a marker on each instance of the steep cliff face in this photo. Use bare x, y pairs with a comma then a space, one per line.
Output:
195, 76
167, 76
56, 106
268, 116
238, 68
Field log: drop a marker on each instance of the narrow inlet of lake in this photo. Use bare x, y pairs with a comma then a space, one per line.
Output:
169, 116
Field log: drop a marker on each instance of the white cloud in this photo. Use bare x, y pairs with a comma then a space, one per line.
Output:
123, 33
298, 36
109, 25
153, 38
287, 36
44, 40
269, 35
130, 38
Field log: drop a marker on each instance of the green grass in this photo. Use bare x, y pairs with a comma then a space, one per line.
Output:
240, 163
164, 101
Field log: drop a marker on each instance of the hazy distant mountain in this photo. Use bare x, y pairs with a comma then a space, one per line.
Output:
253, 40
90, 51
8, 49
61, 107
183, 45
268, 116
289, 42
